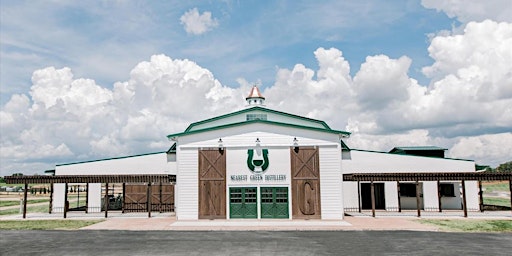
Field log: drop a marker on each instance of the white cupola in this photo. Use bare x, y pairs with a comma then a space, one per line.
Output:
255, 98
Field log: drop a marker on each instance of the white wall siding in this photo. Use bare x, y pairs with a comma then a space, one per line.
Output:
144, 164
270, 117
472, 199
58, 198
430, 196
269, 136
366, 162
94, 197
187, 207
350, 200
331, 183
391, 196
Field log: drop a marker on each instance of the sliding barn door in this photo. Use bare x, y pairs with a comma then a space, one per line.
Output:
212, 184
305, 182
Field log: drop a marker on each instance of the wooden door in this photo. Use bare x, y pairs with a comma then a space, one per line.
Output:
135, 198
212, 184
305, 169
162, 198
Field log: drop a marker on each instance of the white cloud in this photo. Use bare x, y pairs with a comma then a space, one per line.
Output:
494, 148
195, 23
468, 101
473, 10
68, 118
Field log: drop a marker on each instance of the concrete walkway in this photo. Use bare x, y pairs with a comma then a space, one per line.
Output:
167, 221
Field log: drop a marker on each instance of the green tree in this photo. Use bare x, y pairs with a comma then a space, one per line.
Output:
504, 167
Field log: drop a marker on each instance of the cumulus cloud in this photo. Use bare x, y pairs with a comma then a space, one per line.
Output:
197, 24
473, 10
468, 104
67, 118
495, 148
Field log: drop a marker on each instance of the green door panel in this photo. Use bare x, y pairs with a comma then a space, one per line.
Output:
274, 202
243, 203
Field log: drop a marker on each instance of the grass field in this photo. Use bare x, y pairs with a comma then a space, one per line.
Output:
17, 202
497, 201
46, 224
495, 186
471, 225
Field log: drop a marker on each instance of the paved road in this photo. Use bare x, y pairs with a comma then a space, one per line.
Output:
94, 242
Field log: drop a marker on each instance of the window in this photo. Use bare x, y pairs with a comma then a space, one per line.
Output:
447, 190
408, 189
256, 117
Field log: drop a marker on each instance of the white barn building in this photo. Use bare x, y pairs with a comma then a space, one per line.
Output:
260, 163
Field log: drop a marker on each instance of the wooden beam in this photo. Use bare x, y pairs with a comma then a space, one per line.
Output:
398, 190
25, 201
372, 191
464, 201
480, 196
124, 196
439, 196
66, 203
132, 178
106, 200
160, 204
426, 176
78, 197
418, 191
510, 188
149, 199
87, 198
51, 199
359, 195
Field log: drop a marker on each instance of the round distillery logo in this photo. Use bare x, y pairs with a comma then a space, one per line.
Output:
257, 160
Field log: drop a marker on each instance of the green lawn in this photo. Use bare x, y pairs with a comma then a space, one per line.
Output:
497, 201
39, 208
17, 202
471, 225
45, 224
495, 186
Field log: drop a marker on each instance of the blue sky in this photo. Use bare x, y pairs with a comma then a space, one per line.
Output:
402, 72
251, 40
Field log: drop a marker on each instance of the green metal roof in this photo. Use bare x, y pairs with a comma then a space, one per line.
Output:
390, 153
189, 132
395, 149
256, 108
112, 158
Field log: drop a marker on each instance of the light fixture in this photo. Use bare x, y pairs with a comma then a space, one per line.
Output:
295, 143
220, 143
257, 140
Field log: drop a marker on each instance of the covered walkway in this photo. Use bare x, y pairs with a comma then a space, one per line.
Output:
148, 179
428, 176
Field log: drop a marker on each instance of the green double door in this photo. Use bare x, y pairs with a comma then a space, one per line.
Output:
274, 202
243, 203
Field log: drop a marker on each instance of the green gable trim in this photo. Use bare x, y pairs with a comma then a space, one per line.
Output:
191, 126
253, 122
390, 153
172, 149
112, 158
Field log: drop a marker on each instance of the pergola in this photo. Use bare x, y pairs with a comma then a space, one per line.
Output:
428, 176
148, 179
